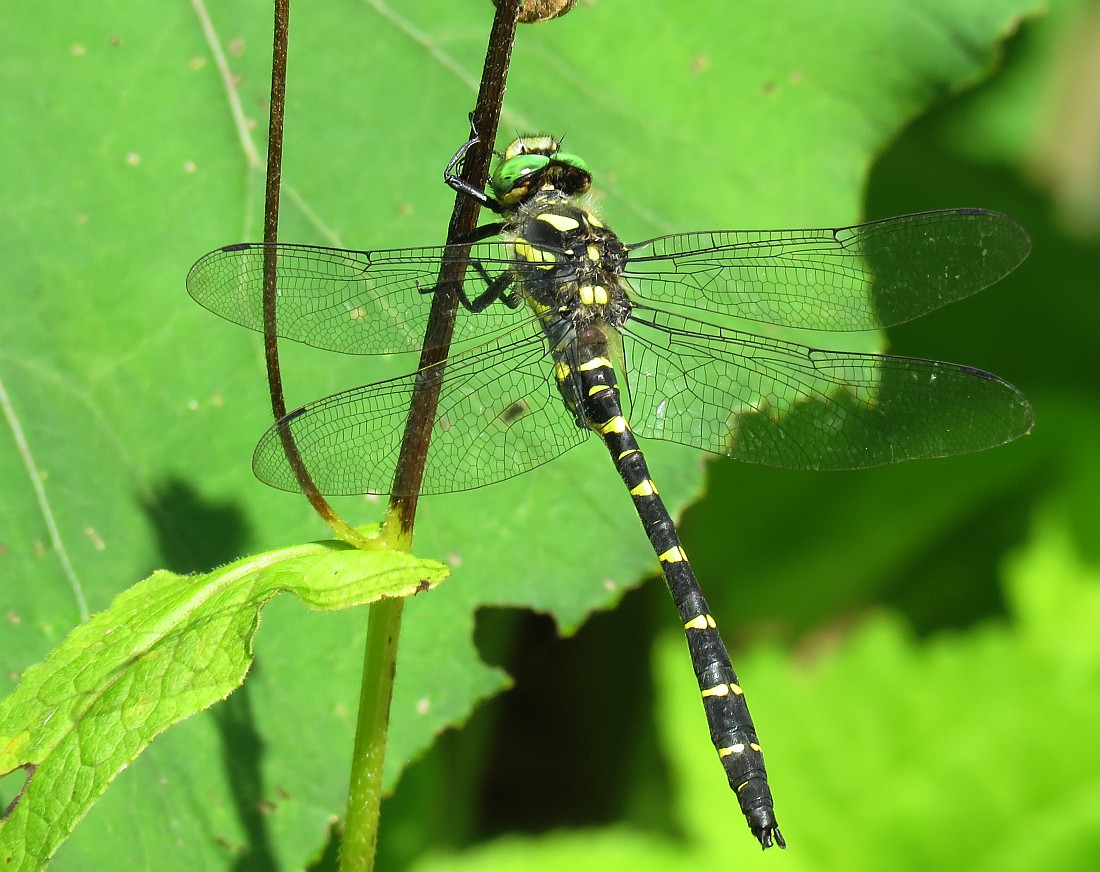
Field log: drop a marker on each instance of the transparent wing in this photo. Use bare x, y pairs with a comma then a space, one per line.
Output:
783, 404
356, 302
846, 279
499, 415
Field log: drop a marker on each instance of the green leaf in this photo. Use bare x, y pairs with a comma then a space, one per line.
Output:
168, 647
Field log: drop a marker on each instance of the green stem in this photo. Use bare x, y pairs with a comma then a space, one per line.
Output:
360, 839
365, 790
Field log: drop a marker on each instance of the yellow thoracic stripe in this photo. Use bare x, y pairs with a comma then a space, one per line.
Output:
592, 294
559, 222
531, 254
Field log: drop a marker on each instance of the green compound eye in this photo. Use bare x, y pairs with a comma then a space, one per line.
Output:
513, 169
573, 160
529, 163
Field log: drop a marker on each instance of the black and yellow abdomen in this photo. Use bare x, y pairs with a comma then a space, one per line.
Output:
586, 378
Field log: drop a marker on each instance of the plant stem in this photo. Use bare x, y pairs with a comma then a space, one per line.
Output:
383, 629
360, 840
270, 300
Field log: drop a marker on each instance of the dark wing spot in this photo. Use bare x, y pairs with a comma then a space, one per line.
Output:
514, 412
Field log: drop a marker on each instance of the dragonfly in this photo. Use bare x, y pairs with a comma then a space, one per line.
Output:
563, 331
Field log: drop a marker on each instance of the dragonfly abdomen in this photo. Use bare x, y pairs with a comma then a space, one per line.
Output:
587, 379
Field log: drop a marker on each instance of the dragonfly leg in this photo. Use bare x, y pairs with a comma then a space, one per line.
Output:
495, 289
485, 231
464, 187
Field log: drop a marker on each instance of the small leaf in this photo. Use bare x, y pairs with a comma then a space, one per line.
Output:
169, 647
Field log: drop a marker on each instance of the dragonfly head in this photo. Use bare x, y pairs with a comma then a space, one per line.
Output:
536, 163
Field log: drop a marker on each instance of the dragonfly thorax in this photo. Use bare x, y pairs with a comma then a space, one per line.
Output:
568, 262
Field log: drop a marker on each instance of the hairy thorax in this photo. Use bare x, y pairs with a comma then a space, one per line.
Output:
572, 264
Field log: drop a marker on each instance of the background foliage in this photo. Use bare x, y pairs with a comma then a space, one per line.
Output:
918, 641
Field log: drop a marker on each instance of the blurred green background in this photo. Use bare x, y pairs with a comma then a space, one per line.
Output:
920, 644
